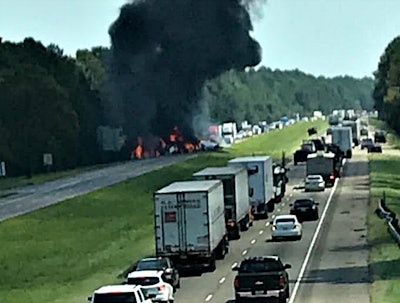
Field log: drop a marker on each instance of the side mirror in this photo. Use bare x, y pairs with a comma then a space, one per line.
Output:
291, 204
89, 298
271, 222
236, 268
168, 270
287, 266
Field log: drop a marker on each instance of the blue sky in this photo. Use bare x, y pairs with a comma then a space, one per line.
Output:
321, 37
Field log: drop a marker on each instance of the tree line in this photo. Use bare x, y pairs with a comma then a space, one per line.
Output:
386, 91
53, 103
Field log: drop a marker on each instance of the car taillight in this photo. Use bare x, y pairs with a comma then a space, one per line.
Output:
236, 283
314, 207
273, 227
231, 223
162, 287
332, 177
282, 281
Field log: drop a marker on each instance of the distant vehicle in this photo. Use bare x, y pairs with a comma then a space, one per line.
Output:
209, 145
329, 131
366, 143
312, 131
314, 183
300, 155
364, 131
355, 129
375, 148
154, 285
229, 132
262, 277
343, 138
380, 136
286, 226
163, 264
328, 165
120, 293
305, 209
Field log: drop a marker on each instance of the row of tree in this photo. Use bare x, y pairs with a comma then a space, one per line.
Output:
52, 103
387, 85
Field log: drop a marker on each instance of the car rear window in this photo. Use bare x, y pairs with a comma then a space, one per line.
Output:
259, 266
115, 298
314, 178
144, 281
151, 264
302, 203
284, 220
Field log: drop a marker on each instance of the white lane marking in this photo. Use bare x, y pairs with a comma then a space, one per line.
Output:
291, 195
261, 232
253, 241
312, 244
283, 204
273, 216
209, 297
244, 252
222, 280
267, 224
278, 210
234, 264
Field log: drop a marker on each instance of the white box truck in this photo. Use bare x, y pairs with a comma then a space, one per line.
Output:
355, 129
229, 132
342, 137
236, 196
261, 186
190, 223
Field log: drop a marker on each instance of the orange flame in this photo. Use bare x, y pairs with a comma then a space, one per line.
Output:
139, 150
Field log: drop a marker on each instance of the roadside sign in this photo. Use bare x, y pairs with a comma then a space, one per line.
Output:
2, 169
47, 159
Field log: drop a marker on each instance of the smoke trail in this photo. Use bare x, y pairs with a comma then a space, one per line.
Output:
162, 53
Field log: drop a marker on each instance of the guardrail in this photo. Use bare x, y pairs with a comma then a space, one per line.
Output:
384, 212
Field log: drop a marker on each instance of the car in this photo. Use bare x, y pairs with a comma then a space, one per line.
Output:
286, 226
366, 143
364, 131
262, 277
380, 136
305, 209
314, 183
164, 264
375, 148
118, 294
154, 284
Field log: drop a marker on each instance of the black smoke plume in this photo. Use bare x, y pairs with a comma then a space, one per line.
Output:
162, 53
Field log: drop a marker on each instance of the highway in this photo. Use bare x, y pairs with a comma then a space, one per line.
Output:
329, 263
29, 198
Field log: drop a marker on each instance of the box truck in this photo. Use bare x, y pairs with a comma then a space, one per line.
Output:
342, 137
324, 164
355, 130
229, 132
190, 223
236, 196
261, 187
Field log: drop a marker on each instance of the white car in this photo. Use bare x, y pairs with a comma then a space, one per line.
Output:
154, 285
314, 182
286, 226
118, 294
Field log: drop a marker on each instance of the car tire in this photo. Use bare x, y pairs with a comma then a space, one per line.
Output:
238, 299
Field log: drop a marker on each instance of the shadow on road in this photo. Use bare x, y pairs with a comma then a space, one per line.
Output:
351, 248
385, 270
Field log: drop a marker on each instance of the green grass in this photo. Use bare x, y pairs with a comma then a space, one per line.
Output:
384, 258
61, 253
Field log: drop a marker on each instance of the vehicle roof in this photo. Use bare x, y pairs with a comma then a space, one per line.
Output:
145, 273
223, 170
189, 186
304, 199
260, 258
152, 259
314, 176
250, 159
116, 288
321, 155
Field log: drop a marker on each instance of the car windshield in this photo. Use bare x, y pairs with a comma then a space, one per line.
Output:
151, 264
144, 281
115, 298
259, 266
284, 220
367, 140
302, 203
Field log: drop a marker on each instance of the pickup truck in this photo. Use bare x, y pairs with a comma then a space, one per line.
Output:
261, 277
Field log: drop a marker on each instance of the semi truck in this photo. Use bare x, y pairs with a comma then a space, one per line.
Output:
355, 129
342, 137
324, 164
229, 132
261, 186
190, 223
236, 196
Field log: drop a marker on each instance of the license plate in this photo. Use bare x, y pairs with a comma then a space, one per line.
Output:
259, 292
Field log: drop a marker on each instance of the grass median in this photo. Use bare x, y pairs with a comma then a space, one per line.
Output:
61, 253
384, 256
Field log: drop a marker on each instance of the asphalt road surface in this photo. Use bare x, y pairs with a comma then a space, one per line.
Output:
329, 264
27, 199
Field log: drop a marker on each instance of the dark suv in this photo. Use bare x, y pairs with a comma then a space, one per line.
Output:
164, 264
